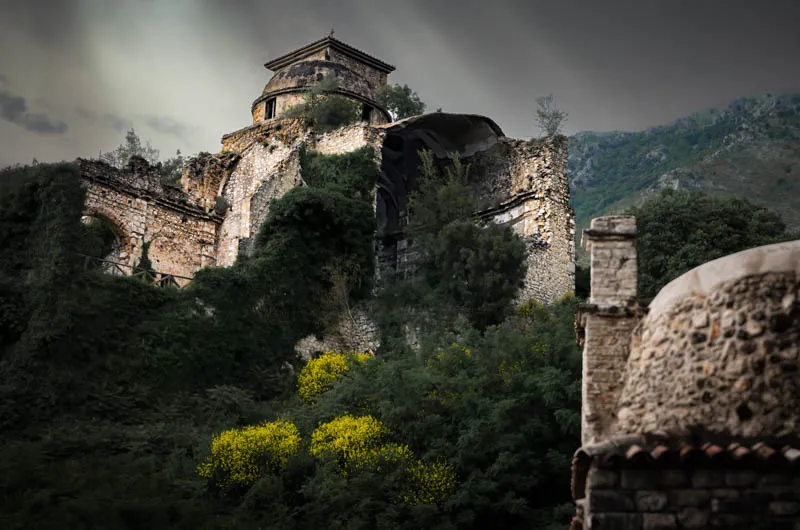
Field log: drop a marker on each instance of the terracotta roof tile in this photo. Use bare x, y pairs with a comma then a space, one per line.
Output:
680, 450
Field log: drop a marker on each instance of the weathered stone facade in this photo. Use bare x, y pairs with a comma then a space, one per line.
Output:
691, 414
227, 196
608, 319
359, 76
181, 234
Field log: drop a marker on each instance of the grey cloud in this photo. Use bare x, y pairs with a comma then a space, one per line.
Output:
54, 23
14, 109
106, 119
166, 125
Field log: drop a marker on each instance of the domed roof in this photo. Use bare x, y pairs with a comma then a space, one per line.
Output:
720, 348
304, 74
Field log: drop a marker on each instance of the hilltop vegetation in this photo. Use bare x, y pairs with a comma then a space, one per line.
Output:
112, 389
126, 405
749, 149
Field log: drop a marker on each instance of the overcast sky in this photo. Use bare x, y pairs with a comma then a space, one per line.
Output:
75, 74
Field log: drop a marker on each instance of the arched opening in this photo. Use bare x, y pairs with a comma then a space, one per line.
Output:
101, 245
443, 134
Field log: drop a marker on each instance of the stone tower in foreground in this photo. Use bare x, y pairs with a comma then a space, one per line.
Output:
521, 183
691, 405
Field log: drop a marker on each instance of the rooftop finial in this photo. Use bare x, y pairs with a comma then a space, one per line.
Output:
331, 35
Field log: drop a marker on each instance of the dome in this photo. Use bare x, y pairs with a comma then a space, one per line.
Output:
719, 348
303, 75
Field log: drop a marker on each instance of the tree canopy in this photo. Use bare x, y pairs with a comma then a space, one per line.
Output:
679, 230
400, 101
170, 169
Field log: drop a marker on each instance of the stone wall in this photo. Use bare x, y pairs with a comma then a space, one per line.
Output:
608, 321
285, 130
354, 332
374, 77
259, 112
268, 168
263, 174
527, 189
735, 353
630, 497
204, 176
181, 235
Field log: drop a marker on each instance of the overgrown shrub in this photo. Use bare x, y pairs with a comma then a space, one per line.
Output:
323, 109
239, 457
319, 374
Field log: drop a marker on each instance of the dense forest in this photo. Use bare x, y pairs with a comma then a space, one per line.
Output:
127, 405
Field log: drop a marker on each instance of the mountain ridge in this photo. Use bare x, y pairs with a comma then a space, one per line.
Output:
749, 148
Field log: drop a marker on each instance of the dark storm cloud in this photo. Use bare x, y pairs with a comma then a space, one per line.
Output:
14, 109
166, 125
616, 64
622, 64
106, 119
50, 22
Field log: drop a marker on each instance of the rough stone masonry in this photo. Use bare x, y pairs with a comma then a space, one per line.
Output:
523, 183
520, 183
691, 403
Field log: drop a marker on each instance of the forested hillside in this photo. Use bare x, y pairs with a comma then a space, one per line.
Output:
748, 149
124, 405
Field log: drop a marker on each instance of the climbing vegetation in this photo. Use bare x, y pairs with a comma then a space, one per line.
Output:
323, 109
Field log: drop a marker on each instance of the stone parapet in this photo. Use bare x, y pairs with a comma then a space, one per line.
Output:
605, 326
611, 243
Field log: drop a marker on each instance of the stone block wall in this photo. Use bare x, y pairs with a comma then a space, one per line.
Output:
204, 176
608, 321
736, 353
268, 168
631, 497
182, 236
374, 77
263, 173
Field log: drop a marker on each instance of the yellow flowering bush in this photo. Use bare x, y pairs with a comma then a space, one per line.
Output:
242, 456
350, 439
318, 375
358, 444
432, 482
390, 454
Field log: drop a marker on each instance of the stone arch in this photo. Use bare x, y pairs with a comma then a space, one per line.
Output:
127, 247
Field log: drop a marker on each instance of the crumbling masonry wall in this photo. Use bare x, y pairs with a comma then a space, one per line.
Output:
182, 236
524, 184
746, 495
267, 168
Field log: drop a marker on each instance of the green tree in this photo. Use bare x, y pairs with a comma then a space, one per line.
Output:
169, 170
132, 146
549, 118
475, 269
501, 407
679, 230
400, 101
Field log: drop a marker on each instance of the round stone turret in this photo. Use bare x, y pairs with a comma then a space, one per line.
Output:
719, 350
357, 74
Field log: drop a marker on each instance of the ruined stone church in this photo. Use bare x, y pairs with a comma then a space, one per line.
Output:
522, 183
